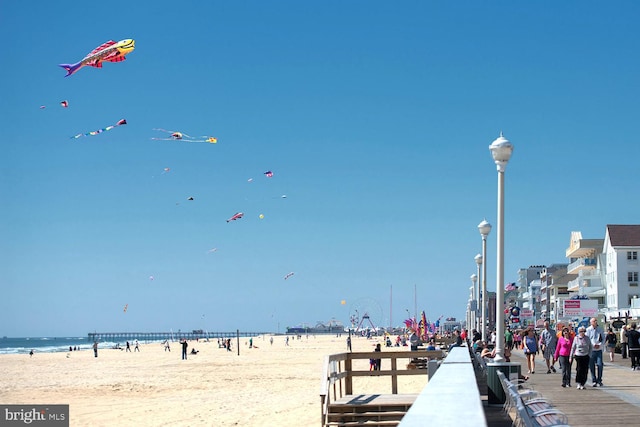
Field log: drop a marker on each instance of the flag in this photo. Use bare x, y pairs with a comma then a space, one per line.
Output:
510, 287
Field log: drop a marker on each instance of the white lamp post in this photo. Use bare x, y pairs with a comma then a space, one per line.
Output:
474, 307
501, 150
484, 228
479, 260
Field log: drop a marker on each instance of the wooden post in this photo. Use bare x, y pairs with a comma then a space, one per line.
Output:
238, 340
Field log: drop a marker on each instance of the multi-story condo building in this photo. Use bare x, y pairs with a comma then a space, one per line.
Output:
554, 281
622, 268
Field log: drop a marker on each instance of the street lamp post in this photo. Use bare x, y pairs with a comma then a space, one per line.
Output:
474, 308
501, 150
479, 260
484, 228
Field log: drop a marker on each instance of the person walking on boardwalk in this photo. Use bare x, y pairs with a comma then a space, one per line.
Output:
611, 340
184, 344
508, 338
623, 341
633, 338
580, 351
563, 354
548, 343
596, 334
530, 346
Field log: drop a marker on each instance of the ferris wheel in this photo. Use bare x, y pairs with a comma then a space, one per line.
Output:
365, 313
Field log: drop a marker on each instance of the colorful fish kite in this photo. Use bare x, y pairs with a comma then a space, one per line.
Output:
236, 216
95, 132
181, 136
288, 275
268, 174
109, 51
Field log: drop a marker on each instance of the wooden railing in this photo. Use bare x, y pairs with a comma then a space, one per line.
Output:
338, 372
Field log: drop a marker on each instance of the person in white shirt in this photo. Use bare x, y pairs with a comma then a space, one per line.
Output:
596, 334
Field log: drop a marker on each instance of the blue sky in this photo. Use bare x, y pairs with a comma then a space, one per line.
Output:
375, 118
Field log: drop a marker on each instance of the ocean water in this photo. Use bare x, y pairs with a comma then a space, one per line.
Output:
41, 344
10, 345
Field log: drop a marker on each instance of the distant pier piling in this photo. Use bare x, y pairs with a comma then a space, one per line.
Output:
171, 336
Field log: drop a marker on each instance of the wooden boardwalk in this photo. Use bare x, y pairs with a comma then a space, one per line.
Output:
615, 404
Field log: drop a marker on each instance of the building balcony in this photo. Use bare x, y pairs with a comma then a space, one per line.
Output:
582, 264
580, 247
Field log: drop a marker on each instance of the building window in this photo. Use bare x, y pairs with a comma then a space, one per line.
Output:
632, 277
632, 255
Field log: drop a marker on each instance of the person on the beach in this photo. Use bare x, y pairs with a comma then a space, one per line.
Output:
563, 354
378, 362
349, 343
229, 343
136, 346
271, 340
128, 347
530, 346
580, 351
31, 353
166, 346
95, 349
548, 342
610, 341
184, 344
633, 339
414, 340
596, 334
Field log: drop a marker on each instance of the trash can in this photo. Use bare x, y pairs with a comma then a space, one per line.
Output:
495, 391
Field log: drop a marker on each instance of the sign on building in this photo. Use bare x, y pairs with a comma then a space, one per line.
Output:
580, 308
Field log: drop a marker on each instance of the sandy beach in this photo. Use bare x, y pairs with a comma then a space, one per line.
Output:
270, 384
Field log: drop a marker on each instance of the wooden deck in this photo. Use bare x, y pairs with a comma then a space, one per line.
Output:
615, 404
342, 406
369, 409
376, 400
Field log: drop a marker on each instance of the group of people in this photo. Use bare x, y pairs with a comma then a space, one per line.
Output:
587, 348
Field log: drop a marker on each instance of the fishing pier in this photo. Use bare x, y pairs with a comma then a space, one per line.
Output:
171, 336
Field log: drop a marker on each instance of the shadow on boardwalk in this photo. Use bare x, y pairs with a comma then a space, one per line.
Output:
615, 404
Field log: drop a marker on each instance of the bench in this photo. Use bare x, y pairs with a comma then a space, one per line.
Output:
531, 409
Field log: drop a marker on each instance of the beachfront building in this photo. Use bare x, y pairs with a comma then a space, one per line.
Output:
521, 296
622, 268
554, 281
530, 302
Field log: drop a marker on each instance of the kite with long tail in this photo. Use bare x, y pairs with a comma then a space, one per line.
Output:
181, 136
96, 132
